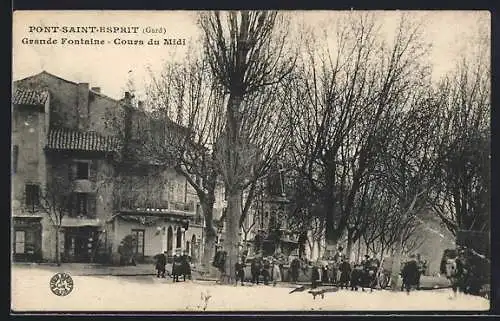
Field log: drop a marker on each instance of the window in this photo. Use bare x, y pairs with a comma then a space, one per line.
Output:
20, 242
139, 245
82, 170
81, 203
15, 152
32, 194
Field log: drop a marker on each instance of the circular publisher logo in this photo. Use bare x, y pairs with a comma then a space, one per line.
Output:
61, 284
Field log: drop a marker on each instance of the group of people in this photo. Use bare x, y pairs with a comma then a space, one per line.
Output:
338, 270
266, 268
467, 271
180, 266
333, 270
411, 272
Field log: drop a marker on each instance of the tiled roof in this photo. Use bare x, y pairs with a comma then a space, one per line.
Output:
64, 139
30, 97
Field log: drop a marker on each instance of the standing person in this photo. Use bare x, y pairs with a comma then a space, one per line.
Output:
314, 276
276, 273
345, 273
266, 271
255, 269
176, 266
186, 266
222, 265
337, 259
161, 262
410, 273
240, 271
326, 274
294, 267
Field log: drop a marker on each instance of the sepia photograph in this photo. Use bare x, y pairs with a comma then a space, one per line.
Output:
250, 161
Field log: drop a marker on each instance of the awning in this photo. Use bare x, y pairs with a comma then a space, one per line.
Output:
80, 222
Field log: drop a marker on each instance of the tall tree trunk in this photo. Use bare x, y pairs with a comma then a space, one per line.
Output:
349, 244
208, 246
359, 250
232, 237
396, 265
318, 243
58, 250
207, 206
331, 230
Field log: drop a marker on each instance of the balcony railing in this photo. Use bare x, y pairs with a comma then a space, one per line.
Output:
158, 206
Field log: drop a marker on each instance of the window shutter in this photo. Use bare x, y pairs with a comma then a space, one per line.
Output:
72, 205
92, 205
93, 170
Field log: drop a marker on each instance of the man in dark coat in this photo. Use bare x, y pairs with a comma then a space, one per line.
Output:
266, 271
345, 274
314, 276
186, 266
356, 279
255, 269
177, 267
410, 274
161, 261
295, 267
240, 271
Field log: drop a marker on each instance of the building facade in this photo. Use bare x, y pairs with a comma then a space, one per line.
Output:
66, 153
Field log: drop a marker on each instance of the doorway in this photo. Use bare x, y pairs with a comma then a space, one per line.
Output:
79, 244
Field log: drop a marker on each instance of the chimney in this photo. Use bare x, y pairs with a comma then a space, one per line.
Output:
83, 106
96, 89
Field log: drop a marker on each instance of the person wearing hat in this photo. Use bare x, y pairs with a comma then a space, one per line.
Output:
410, 273
161, 262
366, 262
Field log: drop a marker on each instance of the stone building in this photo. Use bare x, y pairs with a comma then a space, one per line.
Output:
64, 146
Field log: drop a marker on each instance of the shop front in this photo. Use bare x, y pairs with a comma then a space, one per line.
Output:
27, 239
81, 240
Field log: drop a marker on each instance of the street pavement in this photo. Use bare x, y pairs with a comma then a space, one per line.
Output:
31, 292
84, 269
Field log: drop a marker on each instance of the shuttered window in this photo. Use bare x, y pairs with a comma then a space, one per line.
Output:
32, 192
91, 205
82, 170
20, 242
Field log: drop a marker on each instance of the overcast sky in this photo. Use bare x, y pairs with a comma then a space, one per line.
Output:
109, 66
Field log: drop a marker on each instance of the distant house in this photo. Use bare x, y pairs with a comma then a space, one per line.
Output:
61, 132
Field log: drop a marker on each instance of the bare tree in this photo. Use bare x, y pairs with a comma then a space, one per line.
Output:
462, 198
56, 202
247, 52
186, 96
348, 101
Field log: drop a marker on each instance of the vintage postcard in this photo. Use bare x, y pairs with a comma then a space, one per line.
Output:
200, 161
